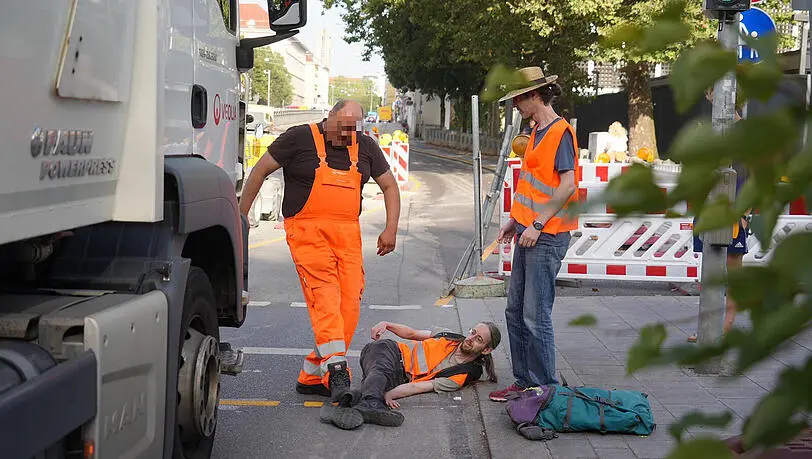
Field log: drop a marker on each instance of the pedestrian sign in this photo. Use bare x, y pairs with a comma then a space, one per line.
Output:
753, 23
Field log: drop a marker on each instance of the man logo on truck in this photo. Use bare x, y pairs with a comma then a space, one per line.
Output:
48, 142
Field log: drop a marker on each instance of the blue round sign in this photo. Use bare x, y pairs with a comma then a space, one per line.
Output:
753, 23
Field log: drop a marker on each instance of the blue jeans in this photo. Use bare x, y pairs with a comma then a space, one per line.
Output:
530, 306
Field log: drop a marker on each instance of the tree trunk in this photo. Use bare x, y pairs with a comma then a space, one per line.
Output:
494, 121
641, 109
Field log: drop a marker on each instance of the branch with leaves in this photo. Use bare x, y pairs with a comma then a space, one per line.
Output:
775, 294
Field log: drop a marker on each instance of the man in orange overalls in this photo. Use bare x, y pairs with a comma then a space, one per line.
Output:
325, 166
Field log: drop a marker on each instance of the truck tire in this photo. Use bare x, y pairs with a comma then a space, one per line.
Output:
198, 391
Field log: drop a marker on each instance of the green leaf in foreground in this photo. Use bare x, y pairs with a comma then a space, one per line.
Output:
635, 191
770, 422
647, 348
698, 418
716, 216
662, 34
699, 145
702, 448
499, 81
586, 320
698, 69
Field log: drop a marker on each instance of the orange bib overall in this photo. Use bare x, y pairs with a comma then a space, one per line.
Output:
325, 243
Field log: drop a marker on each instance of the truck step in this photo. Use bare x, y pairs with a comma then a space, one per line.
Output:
230, 360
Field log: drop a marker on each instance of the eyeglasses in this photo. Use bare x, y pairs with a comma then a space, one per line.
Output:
477, 337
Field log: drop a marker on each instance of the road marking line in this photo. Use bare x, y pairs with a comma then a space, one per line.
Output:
269, 242
489, 251
400, 307
444, 301
287, 351
298, 304
313, 404
250, 402
259, 304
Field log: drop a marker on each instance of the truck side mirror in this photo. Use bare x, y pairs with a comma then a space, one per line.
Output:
285, 15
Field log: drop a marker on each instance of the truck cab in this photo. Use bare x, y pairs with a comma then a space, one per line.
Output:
122, 250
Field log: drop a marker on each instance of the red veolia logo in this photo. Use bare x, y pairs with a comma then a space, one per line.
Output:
217, 109
224, 111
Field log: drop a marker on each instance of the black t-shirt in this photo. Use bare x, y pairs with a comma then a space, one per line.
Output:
295, 151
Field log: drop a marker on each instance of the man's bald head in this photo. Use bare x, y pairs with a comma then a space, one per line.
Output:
348, 107
344, 119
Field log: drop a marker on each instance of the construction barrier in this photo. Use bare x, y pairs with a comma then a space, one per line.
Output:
640, 248
397, 155
376, 136
399, 163
256, 147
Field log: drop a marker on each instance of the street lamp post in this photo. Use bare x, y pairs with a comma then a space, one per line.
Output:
268, 94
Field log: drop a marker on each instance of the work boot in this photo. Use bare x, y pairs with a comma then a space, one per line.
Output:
347, 418
379, 415
312, 389
326, 413
339, 381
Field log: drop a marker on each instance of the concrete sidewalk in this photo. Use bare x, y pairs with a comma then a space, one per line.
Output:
596, 356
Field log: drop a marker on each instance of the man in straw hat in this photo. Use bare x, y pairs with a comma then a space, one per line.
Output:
538, 218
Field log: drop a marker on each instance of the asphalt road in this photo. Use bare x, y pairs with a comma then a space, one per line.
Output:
261, 415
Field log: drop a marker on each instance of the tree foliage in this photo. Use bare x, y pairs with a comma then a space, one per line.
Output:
448, 50
364, 90
774, 294
281, 88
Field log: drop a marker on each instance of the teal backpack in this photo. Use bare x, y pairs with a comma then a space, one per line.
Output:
539, 412
587, 409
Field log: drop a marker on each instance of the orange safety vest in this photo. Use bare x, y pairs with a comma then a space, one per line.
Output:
421, 358
538, 181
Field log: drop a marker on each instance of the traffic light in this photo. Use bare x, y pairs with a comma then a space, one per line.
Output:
716, 8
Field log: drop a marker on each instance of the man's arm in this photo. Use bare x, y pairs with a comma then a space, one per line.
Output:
403, 331
405, 390
391, 200
264, 167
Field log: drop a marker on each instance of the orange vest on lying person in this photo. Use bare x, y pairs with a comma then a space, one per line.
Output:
538, 181
421, 358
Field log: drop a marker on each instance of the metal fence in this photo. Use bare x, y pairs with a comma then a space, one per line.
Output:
460, 140
603, 110
289, 117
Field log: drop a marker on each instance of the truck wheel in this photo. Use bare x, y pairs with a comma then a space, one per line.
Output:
198, 370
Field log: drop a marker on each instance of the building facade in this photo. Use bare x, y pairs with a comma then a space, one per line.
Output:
309, 71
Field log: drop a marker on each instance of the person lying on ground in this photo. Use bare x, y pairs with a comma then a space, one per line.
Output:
439, 361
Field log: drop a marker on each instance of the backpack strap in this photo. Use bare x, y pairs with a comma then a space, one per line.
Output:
472, 370
450, 336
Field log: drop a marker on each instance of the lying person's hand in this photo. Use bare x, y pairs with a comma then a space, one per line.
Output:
378, 330
391, 402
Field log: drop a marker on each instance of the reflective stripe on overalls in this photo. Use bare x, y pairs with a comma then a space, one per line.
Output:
325, 243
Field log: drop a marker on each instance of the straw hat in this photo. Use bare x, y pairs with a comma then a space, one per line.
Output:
535, 79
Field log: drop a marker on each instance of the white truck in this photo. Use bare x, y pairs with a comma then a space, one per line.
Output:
122, 250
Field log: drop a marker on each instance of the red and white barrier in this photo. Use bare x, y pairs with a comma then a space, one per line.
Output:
375, 135
387, 153
399, 153
640, 248
598, 172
